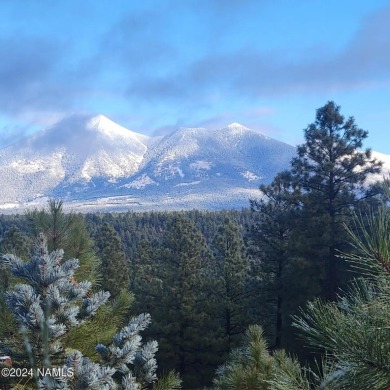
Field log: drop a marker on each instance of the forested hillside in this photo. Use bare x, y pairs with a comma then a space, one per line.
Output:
203, 276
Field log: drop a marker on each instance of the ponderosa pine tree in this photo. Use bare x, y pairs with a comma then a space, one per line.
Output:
53, 222
331, 172
171, 283
354, 331
51, 302
16, 242
67, 231
231, 274
269, 246
114, 267
251, 366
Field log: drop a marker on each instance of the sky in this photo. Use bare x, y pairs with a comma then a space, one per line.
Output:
156, 66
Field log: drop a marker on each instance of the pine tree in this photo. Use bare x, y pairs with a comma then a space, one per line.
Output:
331, 171
47, 306
53, 222
114, 267
301, 219
51, 302
251, 366
67, 231
15, 242
269, 242
354, 331
170, 282
232, 272
79, 244
102, 327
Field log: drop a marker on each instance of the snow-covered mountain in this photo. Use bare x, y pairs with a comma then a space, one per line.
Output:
93, 163
233, 156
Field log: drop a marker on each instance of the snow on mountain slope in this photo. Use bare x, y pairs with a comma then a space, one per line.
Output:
199, 155
95, 148
95, 164
385, 158
78, 150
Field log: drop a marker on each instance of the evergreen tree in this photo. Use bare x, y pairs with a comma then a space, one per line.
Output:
53, 222
50, 303
101, 328
16, 242
354, 331
232, 271
295, 242
144, 282
47, 306
114, 268
249, 366
269, 242
170, 282
80, 245
67, 231
252, 366
13, 241
331, 172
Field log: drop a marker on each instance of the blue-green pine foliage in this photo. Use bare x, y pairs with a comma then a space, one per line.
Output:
51, 302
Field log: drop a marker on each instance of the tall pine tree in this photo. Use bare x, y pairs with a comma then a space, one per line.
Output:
171, 283
331, 171
232, 273
114, 268
269, 242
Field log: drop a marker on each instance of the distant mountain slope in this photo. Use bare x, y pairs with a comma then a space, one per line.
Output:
190, 157
93, 163
76, 150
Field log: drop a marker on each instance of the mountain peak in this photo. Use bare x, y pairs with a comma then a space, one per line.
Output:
112, 130
109, 128
99, 120
236, 125
92, 159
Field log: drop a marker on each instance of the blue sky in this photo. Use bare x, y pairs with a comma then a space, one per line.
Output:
155, 66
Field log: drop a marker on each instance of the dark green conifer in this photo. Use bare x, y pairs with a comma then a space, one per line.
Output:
67, 231
302, 214
331, 171
170, 282
232, 273
269, 242
16, 242
114, 268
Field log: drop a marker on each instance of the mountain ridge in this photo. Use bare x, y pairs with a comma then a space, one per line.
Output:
95, 164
